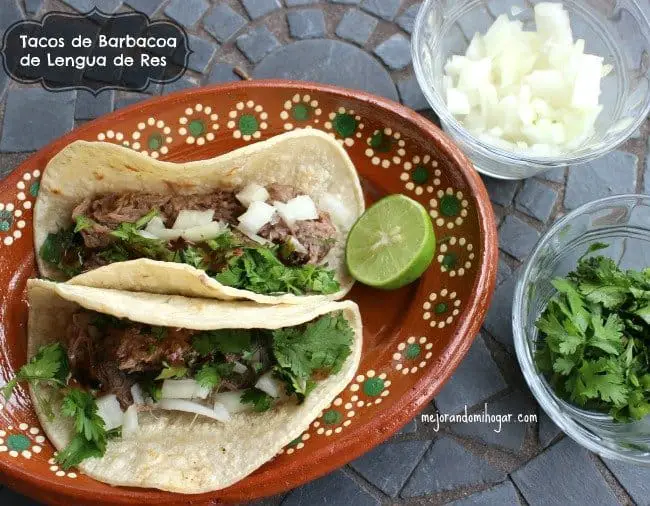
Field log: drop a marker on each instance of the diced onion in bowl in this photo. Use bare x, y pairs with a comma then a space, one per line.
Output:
232, 402
257, 215
270, 385
130, 425
188, 219
252, 192
108, 408
205, 232
183, 389
189, 407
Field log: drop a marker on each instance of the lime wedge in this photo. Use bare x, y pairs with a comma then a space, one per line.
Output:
392, 243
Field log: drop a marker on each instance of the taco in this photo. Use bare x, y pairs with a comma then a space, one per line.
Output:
180, 394
267, 222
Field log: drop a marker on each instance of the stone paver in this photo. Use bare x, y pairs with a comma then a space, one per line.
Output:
411, 94
179, 84
406, 20
33, 6
635, 479
347, 2
563, 474
257, 43
296, 3
446, 466
385, 9
306, 23
146, 6
388, 466
337, 488
395, 51
186, 12
498, 7
503, 270
477, 378
547, 430
517, 237
223, 73
4, 81
477, 20
328, 61
356, 26
611, 174
33, 117
258, 8
504, 494
9, 497
202, 52
90, 106
536, 200
129, 99
506, 434
222, 22
9, 14
411, 427
498, 321
646, 173
108, 6
554, 175
501, 192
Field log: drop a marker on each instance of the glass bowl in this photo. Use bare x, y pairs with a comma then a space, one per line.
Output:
618, 31
623, 222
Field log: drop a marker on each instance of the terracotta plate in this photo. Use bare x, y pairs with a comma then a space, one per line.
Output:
413, 337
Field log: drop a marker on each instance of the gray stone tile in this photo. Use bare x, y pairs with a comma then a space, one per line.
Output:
33, 6
9, 14
33, 117
646, 172
306, 23
146, 6
335, 488
385, 9
411, 94
311, 60
203, 51
503, 270
296, 3
222, 22
108, 6
611, 174
4, 81
257, 43
258, 8
9, 497
395, 51
411, 427
446, 466
406, 20
498, 7
347, 2
517, 237
536, 200
223, 73
547, 430
130, 99
563, 474
477, 378
501, 191
388, 466
634, 478
90, 106
478, 20
504, 494
554, 175
509, 435
180, 84
356, 26
498, 321
186, 12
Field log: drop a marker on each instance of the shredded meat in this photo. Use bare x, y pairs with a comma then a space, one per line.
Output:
281, 192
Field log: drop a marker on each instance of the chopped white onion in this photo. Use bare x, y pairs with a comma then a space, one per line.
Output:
155, 223
183, 389
340, 214
239, 368
188, 407
188, 219
252, 192
267, 383
232, 402
251, 235
257, 215
205, 232
298, 208
108, 408
130, 425
297, 245
147, 235
167, 234
137, 394
221, 413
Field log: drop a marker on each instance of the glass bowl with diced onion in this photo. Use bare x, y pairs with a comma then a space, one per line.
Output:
525, 86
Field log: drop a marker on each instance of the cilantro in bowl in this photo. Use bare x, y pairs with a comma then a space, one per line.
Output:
595, 338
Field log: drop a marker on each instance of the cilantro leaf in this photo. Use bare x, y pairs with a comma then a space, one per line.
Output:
78, 450
82, 223
172, 371
49, 364
64, 251
81, 406
261, 401
223, 341
193, 256
209, 376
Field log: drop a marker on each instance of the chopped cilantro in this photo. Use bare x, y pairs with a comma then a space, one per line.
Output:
64, 251
50, 364
160, 333
172, 371
129, 234
209, 375
82, 223
152, 388
193, 256
223, 341
223, 241
261, 401
593, 347
78, 450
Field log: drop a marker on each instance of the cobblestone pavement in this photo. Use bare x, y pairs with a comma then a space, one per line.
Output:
365, 44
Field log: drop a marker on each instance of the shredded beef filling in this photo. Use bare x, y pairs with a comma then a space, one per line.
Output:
108, 211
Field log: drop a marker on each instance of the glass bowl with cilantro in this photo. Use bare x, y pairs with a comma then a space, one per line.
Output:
581, 326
